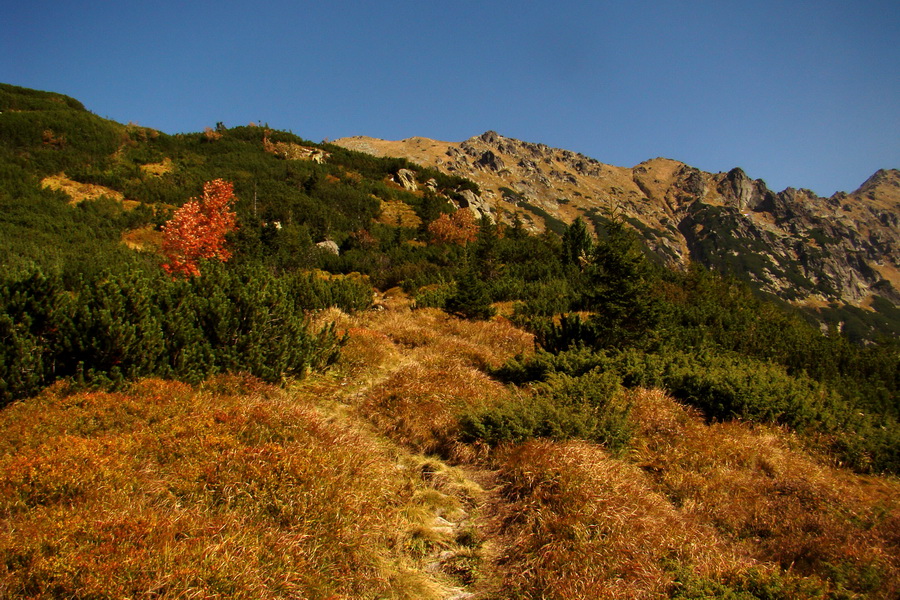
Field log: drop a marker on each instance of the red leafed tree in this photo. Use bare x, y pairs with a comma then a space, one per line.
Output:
460, 229
197, 230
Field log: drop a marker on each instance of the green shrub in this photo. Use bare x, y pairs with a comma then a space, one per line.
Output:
542, 364
435, 296
470, 299
117, 327
589, 407
731, 386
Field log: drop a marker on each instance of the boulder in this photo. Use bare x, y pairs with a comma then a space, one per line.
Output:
329, 246
490, 161
476, 204
407, 179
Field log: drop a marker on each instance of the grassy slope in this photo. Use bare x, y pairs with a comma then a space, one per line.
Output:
354, 484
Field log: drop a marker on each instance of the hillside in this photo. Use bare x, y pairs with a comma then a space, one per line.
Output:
359, 389
809, 250
361, 483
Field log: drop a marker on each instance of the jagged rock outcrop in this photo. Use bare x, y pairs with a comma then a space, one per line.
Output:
407, 179
329, 246
791, 243
479, 207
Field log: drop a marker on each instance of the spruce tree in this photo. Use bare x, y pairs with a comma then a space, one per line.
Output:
577, 243
618, 290
471, 299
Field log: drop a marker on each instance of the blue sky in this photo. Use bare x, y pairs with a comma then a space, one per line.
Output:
800, 94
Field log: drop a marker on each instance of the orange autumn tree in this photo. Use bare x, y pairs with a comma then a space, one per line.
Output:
460, 229
197, 230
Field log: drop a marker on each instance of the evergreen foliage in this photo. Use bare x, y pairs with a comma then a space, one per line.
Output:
577, 243
589, 406
470, 300
118, 327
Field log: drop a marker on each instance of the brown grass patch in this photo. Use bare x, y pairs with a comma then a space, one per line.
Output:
418, 405
431, 368
579, 524
79, 192
144, 238
764, 494
476, 343
159, 169
238, 491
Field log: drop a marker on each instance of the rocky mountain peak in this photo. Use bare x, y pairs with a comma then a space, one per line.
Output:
794, 243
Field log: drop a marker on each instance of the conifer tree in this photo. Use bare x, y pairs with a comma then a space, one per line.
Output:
619, 291
471, 299
485, 249
577, 243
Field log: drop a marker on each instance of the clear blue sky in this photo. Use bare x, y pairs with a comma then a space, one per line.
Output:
800, 94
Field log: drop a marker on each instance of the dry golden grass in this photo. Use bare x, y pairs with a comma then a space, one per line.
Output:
770, 499
80, 192
233, 491
354, 484
430, 367
579, 524
418, 405
144, 238
722, 504
159, 169
476, 343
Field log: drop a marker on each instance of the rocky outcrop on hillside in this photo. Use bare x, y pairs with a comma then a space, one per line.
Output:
793, 243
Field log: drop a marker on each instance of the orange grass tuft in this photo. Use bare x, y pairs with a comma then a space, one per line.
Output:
418, 405
477, 343
433, 363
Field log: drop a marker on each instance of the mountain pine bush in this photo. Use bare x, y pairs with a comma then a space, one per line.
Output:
119, 327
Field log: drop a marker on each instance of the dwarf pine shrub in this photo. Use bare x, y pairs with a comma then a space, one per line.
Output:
589, 407
119, 327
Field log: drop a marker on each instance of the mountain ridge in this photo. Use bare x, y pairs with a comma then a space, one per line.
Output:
793, 243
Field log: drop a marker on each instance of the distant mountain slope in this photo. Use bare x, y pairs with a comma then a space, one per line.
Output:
793, 243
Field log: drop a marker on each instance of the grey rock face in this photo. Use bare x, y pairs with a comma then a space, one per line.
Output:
407, 179
479, 207
329, 246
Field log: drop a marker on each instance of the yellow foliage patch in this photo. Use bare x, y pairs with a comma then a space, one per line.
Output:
79, 192
160, 168
397, 213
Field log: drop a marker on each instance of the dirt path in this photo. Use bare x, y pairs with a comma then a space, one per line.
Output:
404, 354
